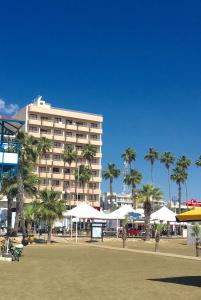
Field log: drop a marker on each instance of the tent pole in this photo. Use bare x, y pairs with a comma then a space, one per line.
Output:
76, 231
117, 229
71, 227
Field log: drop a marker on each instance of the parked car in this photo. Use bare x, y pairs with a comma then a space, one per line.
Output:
133, 232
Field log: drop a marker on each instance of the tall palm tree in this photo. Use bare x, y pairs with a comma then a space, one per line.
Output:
9, 188
149, 193
179, 176
51, 208
132, 179
129, 156
43, 146
84, 177
28, 157
198, 162
168, 159
69, 156
111, 173
184, 162
152, 156
89, 153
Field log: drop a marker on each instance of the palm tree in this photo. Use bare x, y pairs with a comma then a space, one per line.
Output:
198, 162
84, 177
31, 214
28, 157
10, 190
89, 153
69, 156
179, 176
132, 179
43, 146
110, 173
149, 193
51, 208
152, 156
168, 159
184, 162
129, 156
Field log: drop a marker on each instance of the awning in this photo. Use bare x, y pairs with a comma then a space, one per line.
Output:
190, 216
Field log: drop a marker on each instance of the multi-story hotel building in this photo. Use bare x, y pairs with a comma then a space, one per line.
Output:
64, 127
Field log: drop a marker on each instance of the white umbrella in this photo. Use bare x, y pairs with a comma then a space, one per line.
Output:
163, 214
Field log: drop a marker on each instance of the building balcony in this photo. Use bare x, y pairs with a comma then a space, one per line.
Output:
96, 142
47, 123
57, 176
96, 179
34, 134
58, 150
83, 140
58, 163
96, 130
59, 137
69, 177
45, 162
34, 122
48, 136
71, 127
96, 167
98, 154
70, 139
82, 128
44, 174
60, 125
57, 188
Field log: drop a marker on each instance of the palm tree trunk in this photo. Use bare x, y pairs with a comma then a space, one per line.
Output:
9, 214
111, 192
152, 168
49, 236
169, 187
133, 197
19, 200
179, 196
186, 188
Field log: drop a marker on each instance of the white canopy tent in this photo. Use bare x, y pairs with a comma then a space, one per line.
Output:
163, 214
85, 211
120, 213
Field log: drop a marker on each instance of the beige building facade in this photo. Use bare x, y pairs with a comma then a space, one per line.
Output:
65, 127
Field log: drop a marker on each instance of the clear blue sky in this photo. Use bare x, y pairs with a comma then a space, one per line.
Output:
136, 62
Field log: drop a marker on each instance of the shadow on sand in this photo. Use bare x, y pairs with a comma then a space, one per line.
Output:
185, 280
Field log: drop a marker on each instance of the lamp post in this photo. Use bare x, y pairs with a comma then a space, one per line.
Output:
78, 177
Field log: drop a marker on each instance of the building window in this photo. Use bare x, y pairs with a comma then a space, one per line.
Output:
94, 125
78, 123
43, 169
45, 131
45, 118
33, 117
45, 181
66, 184
46, 156
33, 129
58, 120
58, 132
55, 170
55, 182
94, 137
94, 161
69, 122
57, 145
67, 171
78, 148
56, 157
80, 136
69, 133
93, 185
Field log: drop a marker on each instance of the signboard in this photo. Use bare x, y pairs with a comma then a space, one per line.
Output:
97, 230
194, 203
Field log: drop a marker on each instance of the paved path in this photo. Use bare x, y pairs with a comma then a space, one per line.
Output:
148, 252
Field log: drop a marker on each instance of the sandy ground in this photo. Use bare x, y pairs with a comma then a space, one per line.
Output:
83, 272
